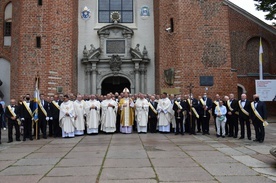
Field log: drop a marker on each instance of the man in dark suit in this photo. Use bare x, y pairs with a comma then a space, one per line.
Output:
11, 113
232, 117
42, 116
152, 117
244, 109
258, 115
179, 108
192, 114
205, 104
54, 107
26, 115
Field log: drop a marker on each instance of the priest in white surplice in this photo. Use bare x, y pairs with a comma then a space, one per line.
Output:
92, 108
79, 106
66, 117
164, 113
141, 113
109, 114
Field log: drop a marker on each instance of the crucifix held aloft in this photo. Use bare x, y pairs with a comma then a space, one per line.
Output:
190, 87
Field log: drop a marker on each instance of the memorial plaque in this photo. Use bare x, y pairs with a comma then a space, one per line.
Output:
206, 80
115, 46
171, 90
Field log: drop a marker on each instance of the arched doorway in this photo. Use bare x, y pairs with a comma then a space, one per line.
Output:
5, 76
114, 84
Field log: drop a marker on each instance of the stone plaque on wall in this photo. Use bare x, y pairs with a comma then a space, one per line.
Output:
206, 80
171, 90
115, 46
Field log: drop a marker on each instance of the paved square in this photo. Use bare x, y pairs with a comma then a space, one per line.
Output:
131, 158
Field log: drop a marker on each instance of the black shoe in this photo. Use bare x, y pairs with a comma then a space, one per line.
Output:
176, 133
234, 137
261, 141
255, 140
182, 133
18, 140
44, 137
230, 135
10, 141
249, 138
198, 131
241, 138
24, 139
223, 136
31, 139
218, 136
208, 133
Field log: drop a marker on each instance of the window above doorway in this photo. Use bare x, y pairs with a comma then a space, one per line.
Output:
123, 7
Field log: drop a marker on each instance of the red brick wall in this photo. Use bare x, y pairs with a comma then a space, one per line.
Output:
245, 38
199, 45
55, 62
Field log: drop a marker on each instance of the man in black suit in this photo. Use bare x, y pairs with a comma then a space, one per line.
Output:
42, 116
232, 117
152, 117
179, 108
54, 107
192, 114
11, 113
244, 109
205, 104
258, 115
26, 115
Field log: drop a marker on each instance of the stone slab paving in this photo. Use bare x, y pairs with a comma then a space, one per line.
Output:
136, 158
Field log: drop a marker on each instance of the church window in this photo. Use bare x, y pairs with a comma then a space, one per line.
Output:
8, 24
123, 7
39, 2
38, 42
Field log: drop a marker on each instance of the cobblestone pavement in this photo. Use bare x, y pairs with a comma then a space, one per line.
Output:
141, 158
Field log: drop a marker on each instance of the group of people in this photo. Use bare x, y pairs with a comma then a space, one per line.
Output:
70, 115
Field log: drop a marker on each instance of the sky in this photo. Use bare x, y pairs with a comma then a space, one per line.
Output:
249, 6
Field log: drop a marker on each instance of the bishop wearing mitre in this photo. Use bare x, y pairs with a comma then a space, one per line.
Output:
126, 108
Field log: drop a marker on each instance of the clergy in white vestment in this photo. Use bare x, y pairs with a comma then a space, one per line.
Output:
126, 107
109, 113
164, 113
92, 109
79, 106
66, 117
141, 113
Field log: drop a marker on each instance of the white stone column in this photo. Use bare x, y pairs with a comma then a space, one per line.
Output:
88, 79
94, 78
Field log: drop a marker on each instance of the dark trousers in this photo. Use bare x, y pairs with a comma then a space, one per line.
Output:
248, 129
51, 131
152, 125
233, 125
199, 123
179, 121
42, 126
187, 124
191, 124
206, 123
27, 123
259, 130
57, 129
11, 124
118, 117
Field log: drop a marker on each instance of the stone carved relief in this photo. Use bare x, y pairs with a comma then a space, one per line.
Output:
169, 76
115, 63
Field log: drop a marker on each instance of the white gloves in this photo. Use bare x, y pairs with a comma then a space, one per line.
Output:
51, 118
47, 118
22, 119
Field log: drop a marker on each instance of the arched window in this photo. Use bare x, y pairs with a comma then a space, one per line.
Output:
123, 7
8, 25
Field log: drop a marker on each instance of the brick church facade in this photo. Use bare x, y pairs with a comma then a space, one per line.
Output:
206, 43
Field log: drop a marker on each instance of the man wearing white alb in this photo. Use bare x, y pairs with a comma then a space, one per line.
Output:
164, 115
93, 107
79, 106
66, 117
220, 112
109, 114
141, 113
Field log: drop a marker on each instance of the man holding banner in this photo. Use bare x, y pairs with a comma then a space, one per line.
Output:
258, 115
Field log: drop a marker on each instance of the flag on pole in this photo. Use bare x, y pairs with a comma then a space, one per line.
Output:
36, 100
261, 51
